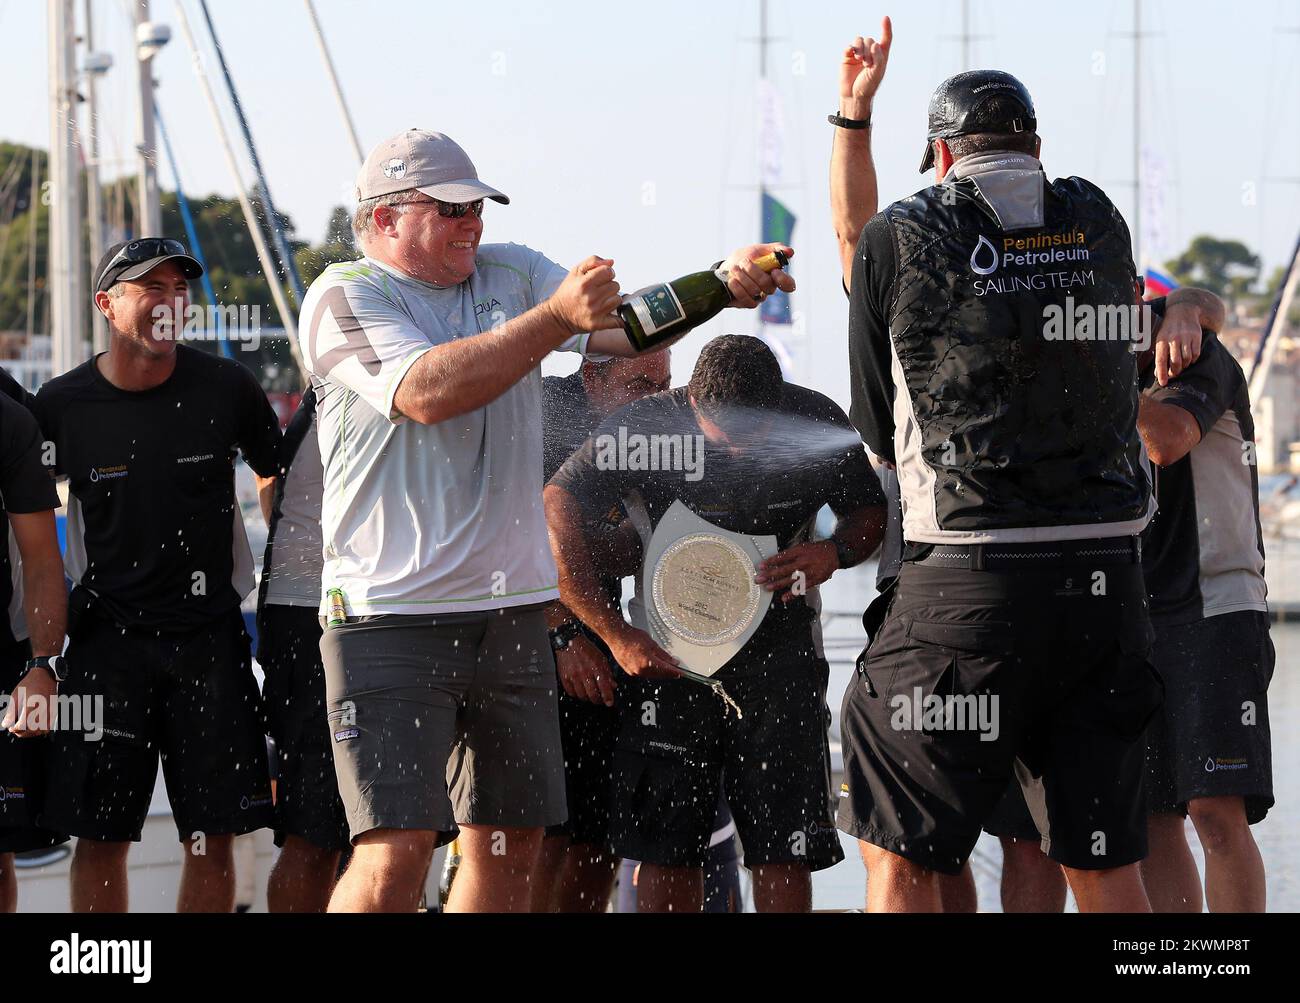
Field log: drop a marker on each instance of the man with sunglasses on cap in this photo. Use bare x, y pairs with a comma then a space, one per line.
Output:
439, 674
146, 434
1023, 489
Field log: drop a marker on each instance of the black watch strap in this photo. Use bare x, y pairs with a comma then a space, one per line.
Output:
849, 123
54, 663
844, 553
565, 634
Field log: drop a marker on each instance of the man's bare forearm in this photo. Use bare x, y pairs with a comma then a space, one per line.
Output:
861, 531
266, 497
1211, 309
469, 373
580, 586
854, 195
46, 604
1168, 431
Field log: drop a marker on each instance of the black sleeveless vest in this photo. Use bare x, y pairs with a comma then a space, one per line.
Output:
1014, 422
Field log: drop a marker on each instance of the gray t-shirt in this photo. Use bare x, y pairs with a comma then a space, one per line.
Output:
427, 518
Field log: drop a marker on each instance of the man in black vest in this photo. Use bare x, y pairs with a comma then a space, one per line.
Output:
991, 359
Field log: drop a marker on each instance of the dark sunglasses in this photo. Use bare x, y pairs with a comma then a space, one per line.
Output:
453, 210
144, 249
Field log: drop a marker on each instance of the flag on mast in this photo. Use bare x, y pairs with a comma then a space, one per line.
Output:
778, 228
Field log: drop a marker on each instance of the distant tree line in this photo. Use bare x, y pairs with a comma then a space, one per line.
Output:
236, 274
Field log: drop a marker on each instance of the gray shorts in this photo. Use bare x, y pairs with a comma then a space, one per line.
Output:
442, 719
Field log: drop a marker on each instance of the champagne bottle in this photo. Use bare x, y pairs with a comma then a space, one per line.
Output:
449, 868
656, 313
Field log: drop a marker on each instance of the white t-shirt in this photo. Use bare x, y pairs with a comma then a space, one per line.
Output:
427, 518
293, 573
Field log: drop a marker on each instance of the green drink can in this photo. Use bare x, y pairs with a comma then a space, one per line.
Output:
338, 614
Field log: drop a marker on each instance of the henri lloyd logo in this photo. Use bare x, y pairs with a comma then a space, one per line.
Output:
103, 957
1029, 253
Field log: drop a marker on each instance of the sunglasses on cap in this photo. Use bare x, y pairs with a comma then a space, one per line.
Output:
453, 210
144, 249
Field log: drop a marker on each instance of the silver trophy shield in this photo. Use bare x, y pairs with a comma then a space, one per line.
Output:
699, 599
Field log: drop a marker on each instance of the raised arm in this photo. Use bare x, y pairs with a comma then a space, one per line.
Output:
854, 196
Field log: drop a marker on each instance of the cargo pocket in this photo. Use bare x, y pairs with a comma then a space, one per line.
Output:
956, 666
1142, 687
359, 753
1127, 694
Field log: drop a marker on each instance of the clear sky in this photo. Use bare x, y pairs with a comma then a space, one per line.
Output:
630, 130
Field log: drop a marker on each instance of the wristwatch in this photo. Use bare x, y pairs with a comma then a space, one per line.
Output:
843, 553
56, 664
564, 635
849, 123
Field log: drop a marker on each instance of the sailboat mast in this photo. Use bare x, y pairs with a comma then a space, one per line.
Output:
287, 316
94, 194
762, 77
348, 124
1137, 134
148, 222
965, 34
64, 270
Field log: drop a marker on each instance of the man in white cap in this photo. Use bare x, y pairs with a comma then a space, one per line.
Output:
440, 680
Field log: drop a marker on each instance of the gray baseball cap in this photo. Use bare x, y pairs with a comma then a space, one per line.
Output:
426, 161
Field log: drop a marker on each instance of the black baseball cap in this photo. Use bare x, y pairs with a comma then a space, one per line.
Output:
134, 259
960, 106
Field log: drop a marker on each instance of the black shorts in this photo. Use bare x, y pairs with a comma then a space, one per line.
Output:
24, 765
1011, 817
1212, 738
678, 744
974, 668
588, 732
307, 802
191, 697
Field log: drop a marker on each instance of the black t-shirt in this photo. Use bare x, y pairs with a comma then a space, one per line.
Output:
809, 457
567, 420
152, 508
871, 383
15, 391
1203, 553
25, 486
